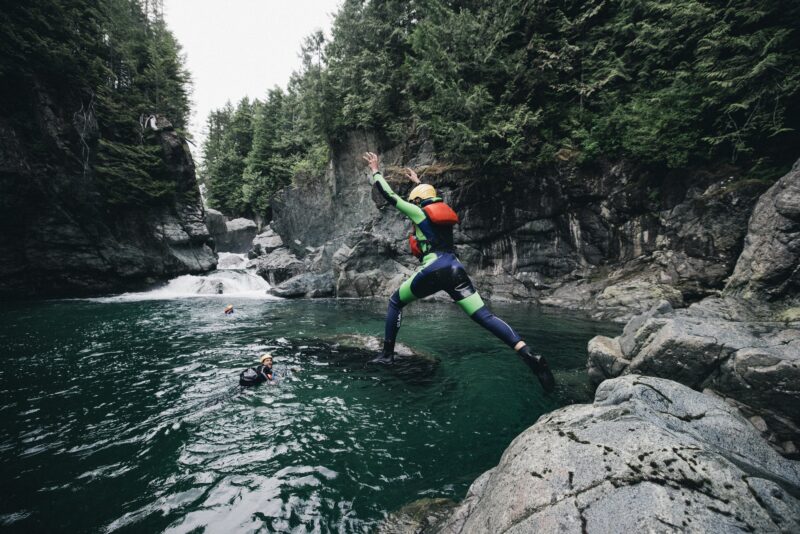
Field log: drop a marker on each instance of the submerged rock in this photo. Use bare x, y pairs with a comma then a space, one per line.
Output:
649, 455
424, 515
353, 352
374, 344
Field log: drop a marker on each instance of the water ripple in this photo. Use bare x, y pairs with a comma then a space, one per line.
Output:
134, 408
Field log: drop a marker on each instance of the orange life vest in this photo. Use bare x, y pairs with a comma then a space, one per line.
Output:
440, 214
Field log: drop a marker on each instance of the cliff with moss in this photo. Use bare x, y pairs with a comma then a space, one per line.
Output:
97, 183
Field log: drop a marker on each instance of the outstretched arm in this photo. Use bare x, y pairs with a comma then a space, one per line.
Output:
411, 175
408, 209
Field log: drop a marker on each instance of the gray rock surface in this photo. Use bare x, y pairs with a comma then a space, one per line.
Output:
714, 344
264, 243
279, 265
614, 240
769, 266
306, 285
215, 221
238, 236
649, 455
744, 345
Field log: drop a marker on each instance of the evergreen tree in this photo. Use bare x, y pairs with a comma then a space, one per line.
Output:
110, 63
516, 85
229, 143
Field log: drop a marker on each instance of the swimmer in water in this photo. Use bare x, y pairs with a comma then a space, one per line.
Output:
258, 374
229, 309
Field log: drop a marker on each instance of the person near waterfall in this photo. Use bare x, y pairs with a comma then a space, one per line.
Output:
432, 242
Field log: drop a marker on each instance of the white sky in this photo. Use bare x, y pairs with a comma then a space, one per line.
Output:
237, 48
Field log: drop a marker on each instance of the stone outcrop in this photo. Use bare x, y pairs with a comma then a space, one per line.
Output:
216, 223
714, 344
279, 265
613, 239
744, 344
649, 455
306, 285
231, 236
769, 266
59, 236
264, 243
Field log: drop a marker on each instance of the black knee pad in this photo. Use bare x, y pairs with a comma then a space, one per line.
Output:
461, 285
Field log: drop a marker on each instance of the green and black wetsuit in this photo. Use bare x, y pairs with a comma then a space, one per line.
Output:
440, 270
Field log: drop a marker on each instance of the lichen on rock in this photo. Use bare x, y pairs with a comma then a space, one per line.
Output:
648, 455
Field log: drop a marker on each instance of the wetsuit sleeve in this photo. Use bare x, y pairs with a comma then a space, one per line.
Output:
408, 209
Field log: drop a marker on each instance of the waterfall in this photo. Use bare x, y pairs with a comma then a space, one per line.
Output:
229, 280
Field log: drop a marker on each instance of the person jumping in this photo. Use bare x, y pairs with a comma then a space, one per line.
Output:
432, 242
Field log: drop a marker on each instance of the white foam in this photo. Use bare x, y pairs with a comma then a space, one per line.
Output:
220, 283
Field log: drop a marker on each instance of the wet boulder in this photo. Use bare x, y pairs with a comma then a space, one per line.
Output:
215, 221
238, 236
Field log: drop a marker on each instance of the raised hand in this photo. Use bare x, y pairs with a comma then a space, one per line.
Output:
411, 175
372, 161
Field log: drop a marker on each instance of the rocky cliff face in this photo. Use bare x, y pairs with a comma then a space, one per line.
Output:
58, 235
769, 266
744, 344
610, 239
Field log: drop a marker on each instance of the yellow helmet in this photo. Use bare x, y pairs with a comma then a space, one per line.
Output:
266, 356
422, 192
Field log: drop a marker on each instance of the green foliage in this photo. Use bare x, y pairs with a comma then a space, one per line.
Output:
254, 150
132, 174
107, 61
519, 84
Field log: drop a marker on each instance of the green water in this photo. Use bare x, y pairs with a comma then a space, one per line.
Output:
124, 416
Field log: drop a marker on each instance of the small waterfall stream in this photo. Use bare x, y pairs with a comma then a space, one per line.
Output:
231, 279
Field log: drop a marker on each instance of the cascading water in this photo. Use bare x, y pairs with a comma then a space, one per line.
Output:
231, 279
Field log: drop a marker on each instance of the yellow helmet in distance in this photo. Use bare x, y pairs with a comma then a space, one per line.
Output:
422, 192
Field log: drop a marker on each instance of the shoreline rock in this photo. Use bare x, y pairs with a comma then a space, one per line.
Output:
648, 455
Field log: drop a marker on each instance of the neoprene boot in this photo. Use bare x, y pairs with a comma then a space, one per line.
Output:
539, 366
387, 356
